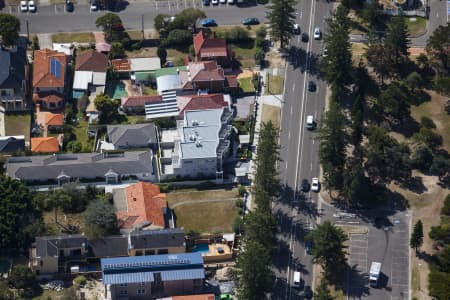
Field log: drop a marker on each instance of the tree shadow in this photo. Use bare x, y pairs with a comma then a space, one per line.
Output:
422, 255
408, 126
299, 57
414, 184
357, 283
117, 6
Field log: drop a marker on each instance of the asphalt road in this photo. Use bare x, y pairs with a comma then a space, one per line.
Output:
296, 211
54, 18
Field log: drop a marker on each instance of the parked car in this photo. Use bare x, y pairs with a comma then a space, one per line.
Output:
325, 52
308, 246
308, 293
305, 37
315, 185
305, 185
23, 6
69, 6
312, 86
317, 33
94, 6
250, 21
230, 1
206, 2
31, 6
208, 23
223, 1
310, 122
296, 29
214, 2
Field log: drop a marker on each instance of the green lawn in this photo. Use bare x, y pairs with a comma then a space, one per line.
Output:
80, 132
149, 91
18, 124
135, 119
246, 85
416, 26
70, 37
245, 54
274, 85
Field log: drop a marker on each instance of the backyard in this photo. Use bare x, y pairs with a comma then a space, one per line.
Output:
18, 124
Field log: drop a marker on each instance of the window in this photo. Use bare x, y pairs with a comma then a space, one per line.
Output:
141, 284
141, 291
123, 292
123, 284
163, 251
138, 252
149, 252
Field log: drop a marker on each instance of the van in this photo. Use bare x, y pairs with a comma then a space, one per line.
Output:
297, 281
310, 122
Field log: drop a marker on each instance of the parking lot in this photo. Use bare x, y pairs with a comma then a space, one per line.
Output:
358, 274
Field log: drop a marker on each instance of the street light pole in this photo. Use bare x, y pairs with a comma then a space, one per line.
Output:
28, 32
142, 26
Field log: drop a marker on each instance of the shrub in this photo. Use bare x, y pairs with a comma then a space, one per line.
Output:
136, 45
427, 122
242, 190
259, 42
236, 34
178, 38
263, 2
259, 57
261, 32
80, 280
238, 225
240, 203
74, 146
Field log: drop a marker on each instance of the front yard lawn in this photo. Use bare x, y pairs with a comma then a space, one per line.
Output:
70, 37
18, 124
246, 85
416, 26
80, 131
148, 91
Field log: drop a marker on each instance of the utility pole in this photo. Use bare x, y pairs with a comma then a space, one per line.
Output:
28, 32
142, 26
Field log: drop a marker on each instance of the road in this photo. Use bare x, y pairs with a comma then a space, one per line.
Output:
54, 18
296, 211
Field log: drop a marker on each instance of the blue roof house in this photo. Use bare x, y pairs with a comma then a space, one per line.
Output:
149, 277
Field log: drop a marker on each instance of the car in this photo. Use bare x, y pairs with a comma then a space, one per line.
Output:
310, 122
94, 6
325, 52
230, 1
308, 246
312, 86
317, 33
308, 293
223, 1
206, 2
305, 37
250, 21
31, 6
208, 23
305, 185
214, 2
315, 185
69, 6
23, 6
296, 29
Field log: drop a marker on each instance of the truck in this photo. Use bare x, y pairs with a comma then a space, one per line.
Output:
374, 275
296, 280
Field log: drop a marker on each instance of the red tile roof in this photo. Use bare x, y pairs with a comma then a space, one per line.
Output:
49, 97
54, 119
44, 145
91, 61
206, 47
196, 102
133, 101
145, 203
121, 65
201, 71
42, 75
194, 297
231, 81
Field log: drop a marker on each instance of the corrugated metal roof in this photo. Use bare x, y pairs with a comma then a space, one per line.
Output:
152, 260
99, 78
82, 79
145, 64
128, 278
183, 274
168, 82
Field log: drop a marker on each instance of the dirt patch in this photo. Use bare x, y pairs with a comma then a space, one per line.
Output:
275, 59
271, 113
245, 74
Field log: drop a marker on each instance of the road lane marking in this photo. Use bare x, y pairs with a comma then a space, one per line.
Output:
293, 87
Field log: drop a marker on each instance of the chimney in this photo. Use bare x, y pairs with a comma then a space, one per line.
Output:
38, 108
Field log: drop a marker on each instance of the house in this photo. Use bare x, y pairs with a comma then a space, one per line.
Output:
156, 242
13, 78
48, 121
49, 78
49, 254
202, 102
136, 104
121, 67
207, 48
90, 73
167, 107
109, 168
44, 145
207, 75
143, 206
142, 68
146, 277
133, 136
191, 297
11, 144
201, 146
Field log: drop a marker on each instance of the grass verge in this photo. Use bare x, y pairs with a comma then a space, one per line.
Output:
18, 124
246, 85
417, 26
70, 37
358, 50
80, 131
271, 113
274, 85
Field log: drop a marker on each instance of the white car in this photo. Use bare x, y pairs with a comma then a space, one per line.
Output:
325, 52
223, 1
23, 6
94, 5
230, 1
315, 185
215, 2
310, 122
31, 6
317, 33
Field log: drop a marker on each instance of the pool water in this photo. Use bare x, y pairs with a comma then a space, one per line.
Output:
202, 248
116, 90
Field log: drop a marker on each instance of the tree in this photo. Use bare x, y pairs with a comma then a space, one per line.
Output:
422, 157
328, 247
111, 25
355, 183
162, 54
376, 56
74, 146
161, 21
446, 208
259, 56
35, 43
371, 14
5, 292
322, 291
21, 277
18, 216
281, 18
332, 137
357, 116
186, 20
413, 81
9, 29
442, 85
416, 240
178, 38
428, 137
427, 122
117, 50
396, 40
79, 198
254, 275
438, 48
439, 284
393, 102
100, 219
440, 166
107, 108
260, 226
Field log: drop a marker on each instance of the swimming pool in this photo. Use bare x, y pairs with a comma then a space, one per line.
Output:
202, 248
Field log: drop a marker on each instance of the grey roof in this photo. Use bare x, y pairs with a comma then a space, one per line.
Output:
145, 64
168, 82
123, 136
109, 246
12, 143
163, 238
12, 70
81, 165
50, 245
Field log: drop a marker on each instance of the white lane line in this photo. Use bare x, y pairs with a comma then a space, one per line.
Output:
293, 87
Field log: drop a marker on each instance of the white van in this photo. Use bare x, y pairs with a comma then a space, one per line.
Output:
296, 282
310, 122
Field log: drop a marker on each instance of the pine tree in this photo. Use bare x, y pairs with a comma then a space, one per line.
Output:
396, 40
416, 240
281, 18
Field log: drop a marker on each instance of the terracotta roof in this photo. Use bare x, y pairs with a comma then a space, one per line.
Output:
194, 297
91, 61
48, 96
201, 71
43, 76
200, 102
133, 101
44, 144
231, 81
54, 119
144, 203
209, 47
121, 65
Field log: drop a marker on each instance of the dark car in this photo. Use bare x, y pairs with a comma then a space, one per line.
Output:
312, 86
308, 293
206, 2
208, 23
250, 21
308, 246
305, 185
305, 37
69, 6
